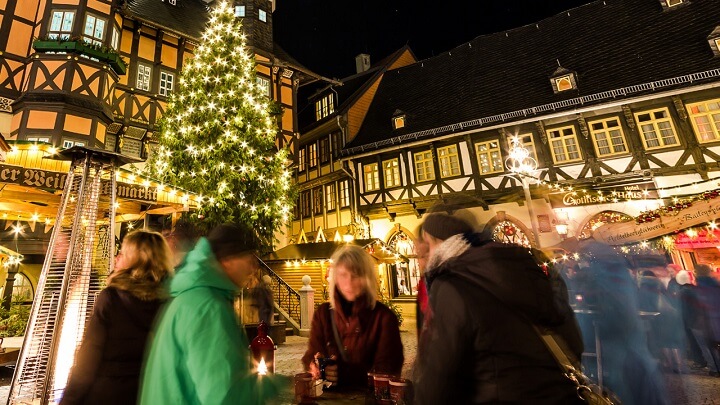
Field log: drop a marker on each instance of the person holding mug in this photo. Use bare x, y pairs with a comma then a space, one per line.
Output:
353, 333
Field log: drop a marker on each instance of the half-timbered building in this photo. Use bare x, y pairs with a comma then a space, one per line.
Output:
619, 99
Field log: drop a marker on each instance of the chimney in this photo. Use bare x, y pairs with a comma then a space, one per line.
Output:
362, 62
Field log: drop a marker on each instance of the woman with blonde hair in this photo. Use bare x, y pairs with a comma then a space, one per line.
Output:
355, 330
107, 368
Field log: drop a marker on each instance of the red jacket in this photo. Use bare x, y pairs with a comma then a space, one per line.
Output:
371, 338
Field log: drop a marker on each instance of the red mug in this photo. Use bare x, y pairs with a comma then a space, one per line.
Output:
401, 391
382, 386
304, 388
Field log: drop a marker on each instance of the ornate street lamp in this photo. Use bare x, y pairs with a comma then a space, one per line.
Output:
523, 167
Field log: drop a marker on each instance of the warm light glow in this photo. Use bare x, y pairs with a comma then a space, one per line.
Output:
262, 367
562, 229
348, 237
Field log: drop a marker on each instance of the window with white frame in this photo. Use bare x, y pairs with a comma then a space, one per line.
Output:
312, 154
115, 39
489, 157
61, 24
324, 107
564, 144
167, 82
239, 11
608, 137
344, 194
45, 139
144, 73
330, 196
262, 15
424, 170
672, 3
449, 161
69, 143
264, 84
301, 159
94, 31
656, 128
391, 173
705, 118
371, 176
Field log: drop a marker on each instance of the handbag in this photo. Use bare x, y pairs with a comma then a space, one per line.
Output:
587, 390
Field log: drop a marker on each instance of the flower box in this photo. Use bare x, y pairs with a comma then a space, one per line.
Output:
78, 46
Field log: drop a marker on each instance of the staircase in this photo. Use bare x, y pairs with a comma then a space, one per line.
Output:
285, 299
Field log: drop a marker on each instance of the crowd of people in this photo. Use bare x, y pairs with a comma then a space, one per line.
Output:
164, 330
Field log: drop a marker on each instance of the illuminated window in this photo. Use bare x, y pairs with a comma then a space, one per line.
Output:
115, 39
526, 140
239, 11
489, 157
705, 117
449, 161
600, 219
564, 144
317, 201
61, 24
94, 31
264, 84
399, 122
406, 275
330, 196
608, 137
508, 232
68, 143
262, 15
312, 154
45, 139
391, 173
344, 194
22, 289
324, 107
672, 3
371, 176
144, 72
167, 81
563, 83
657, 129
424, 170
301, 159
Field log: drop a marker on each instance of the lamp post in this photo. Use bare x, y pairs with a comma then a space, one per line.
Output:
523, 166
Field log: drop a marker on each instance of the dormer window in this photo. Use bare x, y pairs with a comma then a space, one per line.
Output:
239, 11
563, 80
668, 4
262, 15
714, 41
398, 119
324, 107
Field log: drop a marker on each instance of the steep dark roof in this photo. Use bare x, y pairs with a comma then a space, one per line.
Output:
345, 94
610, 44
187, 17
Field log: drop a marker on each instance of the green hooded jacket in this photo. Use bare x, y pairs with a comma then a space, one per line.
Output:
199, 354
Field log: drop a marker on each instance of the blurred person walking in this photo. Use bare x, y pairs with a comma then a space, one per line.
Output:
479, 344
200, 354
107, 369
354, 329
689, 308
707, 323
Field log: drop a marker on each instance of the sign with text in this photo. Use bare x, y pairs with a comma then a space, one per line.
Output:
638, 191
56, 181
620, 233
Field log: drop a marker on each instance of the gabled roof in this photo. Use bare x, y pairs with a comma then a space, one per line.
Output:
502, 77
346, 94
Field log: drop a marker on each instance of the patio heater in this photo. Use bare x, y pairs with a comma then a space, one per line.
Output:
79, 257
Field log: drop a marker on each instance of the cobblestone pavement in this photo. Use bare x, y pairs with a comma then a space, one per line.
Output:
693, 388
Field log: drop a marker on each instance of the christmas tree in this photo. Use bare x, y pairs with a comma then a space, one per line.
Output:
217, 136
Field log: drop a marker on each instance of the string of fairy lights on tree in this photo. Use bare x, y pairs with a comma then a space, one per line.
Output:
217, 136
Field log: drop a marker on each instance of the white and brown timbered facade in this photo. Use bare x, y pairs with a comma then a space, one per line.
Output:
595, 118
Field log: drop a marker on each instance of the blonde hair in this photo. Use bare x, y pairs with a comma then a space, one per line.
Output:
148, 257
358, 262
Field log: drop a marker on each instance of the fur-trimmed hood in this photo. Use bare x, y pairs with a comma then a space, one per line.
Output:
141, 289
509, 272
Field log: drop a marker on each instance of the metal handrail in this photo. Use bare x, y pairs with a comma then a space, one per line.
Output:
286, 298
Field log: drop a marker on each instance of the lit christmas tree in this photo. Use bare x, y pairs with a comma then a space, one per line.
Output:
217, 136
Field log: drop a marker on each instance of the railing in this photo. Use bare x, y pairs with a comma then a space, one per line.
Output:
287, 300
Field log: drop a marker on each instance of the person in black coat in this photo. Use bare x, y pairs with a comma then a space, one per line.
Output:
108, 363
478, 344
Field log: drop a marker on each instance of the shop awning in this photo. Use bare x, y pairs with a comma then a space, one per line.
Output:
325, 250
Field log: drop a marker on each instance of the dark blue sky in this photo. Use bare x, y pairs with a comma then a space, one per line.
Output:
325, 35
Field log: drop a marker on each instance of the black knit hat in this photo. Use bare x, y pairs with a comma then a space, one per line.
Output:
230, 240
443, 226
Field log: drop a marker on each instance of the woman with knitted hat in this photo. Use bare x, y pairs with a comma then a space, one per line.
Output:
479, 345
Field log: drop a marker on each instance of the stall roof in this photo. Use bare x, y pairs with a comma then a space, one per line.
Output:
325, 250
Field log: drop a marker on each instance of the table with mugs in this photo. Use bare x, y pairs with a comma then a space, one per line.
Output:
381, 389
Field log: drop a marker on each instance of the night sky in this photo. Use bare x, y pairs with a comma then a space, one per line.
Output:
326, 35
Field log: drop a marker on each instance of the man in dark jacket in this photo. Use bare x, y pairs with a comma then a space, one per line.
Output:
479, 345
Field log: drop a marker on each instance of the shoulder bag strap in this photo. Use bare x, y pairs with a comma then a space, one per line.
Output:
338, 341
